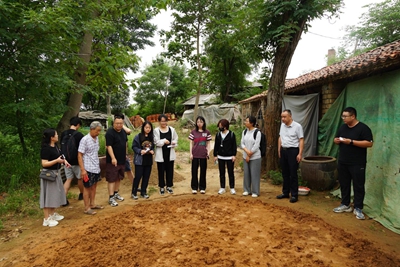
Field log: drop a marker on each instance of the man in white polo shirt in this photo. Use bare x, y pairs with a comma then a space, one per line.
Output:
290, 151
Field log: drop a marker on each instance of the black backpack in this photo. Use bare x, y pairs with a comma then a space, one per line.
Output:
69, 147
263, 142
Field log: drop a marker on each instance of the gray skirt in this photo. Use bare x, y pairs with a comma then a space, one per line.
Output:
52, 194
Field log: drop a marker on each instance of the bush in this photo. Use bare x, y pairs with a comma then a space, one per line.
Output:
22, 202
16, 171
276, 177
301, 181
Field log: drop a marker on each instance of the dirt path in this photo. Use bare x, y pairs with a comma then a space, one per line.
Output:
198, 230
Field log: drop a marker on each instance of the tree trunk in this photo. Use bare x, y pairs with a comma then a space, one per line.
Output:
196, 105
75, 99
283, 57
108, 103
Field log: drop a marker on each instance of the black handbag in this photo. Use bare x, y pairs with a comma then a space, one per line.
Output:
48, 175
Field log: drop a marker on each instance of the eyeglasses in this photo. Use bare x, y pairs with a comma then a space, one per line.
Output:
344, 117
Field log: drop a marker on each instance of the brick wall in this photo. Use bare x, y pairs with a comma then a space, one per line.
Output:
330, 93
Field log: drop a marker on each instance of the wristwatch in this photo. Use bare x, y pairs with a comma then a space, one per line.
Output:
351, 142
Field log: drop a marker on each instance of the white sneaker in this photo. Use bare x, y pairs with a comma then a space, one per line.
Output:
56, 216
254, 195
221, 191
233, 192
112, 202
245, 193
202, 191
118, 197
194, 191
169, 190
49, 222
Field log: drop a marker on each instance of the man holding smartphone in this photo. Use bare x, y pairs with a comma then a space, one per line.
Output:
89, 164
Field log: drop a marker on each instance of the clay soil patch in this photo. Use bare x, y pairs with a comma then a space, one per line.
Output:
203, 230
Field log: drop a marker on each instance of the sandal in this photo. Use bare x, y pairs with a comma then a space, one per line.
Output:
90, 212
97, 207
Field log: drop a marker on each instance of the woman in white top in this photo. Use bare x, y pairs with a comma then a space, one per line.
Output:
165, 140
251, 158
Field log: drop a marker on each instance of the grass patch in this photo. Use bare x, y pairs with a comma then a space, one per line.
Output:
20, 203
151, 190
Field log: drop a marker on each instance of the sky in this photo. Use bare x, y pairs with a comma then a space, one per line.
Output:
311, 51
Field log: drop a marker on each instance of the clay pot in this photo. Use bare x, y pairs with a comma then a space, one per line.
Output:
320, 172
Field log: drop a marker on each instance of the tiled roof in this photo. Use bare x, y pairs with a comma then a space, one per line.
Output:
383, 58
373, 61
254, 97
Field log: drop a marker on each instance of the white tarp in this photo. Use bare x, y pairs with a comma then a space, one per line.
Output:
212, 114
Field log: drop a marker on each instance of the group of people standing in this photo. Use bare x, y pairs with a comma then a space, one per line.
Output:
86, 168
225, 149
353, 137
85, 165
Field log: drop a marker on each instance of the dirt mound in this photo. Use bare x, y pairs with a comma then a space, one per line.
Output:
216, 230
183, 229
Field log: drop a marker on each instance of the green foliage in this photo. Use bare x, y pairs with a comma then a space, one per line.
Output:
276, 177
237, 129
230, 50
21, 202
17, 170
248, 92
378, 26
300, 179
183, 140
32, 67
342, 54
163, 84
279, 26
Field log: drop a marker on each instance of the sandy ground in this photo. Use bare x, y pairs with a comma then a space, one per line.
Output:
202, 230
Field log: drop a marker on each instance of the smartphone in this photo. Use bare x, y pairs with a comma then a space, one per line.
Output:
86, 178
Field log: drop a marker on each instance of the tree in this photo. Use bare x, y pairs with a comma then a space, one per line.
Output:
281, 24
162, 81
33, 73
107, 47
185, 35
229, 49
378, 26
53, 52
130, 32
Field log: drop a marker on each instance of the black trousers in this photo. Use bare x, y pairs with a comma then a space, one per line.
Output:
197, 184
347, 173
141, 171
289, 167
229, 166
165, 173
